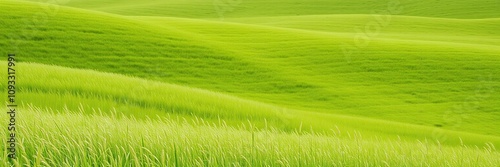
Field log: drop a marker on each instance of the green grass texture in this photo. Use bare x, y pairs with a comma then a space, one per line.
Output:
395, 72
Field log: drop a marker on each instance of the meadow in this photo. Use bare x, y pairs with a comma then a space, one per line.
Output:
118, 140
255, 83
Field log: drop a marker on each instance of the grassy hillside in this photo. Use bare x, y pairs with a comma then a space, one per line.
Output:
122, 141
469, 31
91, 92
253, 8
327, 75
299, 67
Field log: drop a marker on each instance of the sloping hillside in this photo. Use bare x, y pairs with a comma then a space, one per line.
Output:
253, 8
405, 77
253, 83
90, 92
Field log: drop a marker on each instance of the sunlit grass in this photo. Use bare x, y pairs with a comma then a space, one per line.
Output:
111, 139
214, 9
267, 84
413, 77
50, 87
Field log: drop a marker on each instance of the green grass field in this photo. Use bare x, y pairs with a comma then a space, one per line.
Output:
254, 83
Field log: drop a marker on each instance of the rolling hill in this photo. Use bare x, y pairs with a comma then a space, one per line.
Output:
246, 8
412, 70
120, 111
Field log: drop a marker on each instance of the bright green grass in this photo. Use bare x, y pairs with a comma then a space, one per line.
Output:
50, 139
252, 8
47, 86
89, 91
280, 66
468, 31
396, 78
